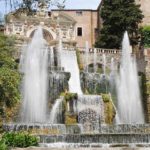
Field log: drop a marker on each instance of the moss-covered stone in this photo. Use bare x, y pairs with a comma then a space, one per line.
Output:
109, 111
70, 119
69, 116
148, 88
106, 98
70, 96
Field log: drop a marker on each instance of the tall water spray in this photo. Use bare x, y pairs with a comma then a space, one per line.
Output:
104, 64
51, 59
60, 47
56, 111
34, 68
128, 92
112, 74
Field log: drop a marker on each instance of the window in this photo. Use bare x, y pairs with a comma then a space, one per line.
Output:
96, 31
79, 31
79, 13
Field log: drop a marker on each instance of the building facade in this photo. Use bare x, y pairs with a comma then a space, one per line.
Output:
145, 7
74, 27
85, 26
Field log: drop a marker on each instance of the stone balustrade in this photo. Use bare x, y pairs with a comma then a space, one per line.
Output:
100, 50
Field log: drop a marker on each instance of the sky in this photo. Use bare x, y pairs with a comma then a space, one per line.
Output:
70, 4
82, 4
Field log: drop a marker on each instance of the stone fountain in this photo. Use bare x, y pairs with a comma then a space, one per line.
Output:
75, 120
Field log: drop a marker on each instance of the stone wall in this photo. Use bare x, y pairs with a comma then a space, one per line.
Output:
87, 20
145, 5
147, 92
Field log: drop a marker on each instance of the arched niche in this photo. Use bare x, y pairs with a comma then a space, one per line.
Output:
48, 34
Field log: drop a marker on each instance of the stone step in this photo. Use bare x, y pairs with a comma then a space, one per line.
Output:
96, 138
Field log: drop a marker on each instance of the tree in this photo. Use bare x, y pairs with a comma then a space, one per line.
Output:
145, 32
119, 16
9, 76
9, 86
32, 5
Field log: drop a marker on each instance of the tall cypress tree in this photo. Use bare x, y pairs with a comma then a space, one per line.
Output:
119, 16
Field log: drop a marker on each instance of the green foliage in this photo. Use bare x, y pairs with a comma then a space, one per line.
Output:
106, 98
145, 31
119, 16
70, 117
3, 145
19, 139
9, 76
26, 5
9, 83
7, 44
70, 96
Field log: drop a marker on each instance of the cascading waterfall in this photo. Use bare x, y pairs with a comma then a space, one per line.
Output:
112, 77
69, 62
129, 100
85, 103
95, 60
112, 82
90, 112
56, 111
104, 64
34, 68
90, 108
112, 67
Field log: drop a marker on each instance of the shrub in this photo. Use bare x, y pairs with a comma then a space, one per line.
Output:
3, 145
19, 139
106, 98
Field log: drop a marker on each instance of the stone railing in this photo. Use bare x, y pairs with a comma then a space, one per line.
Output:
82, 51
100, 50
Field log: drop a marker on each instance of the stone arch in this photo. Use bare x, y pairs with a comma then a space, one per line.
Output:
48, 31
